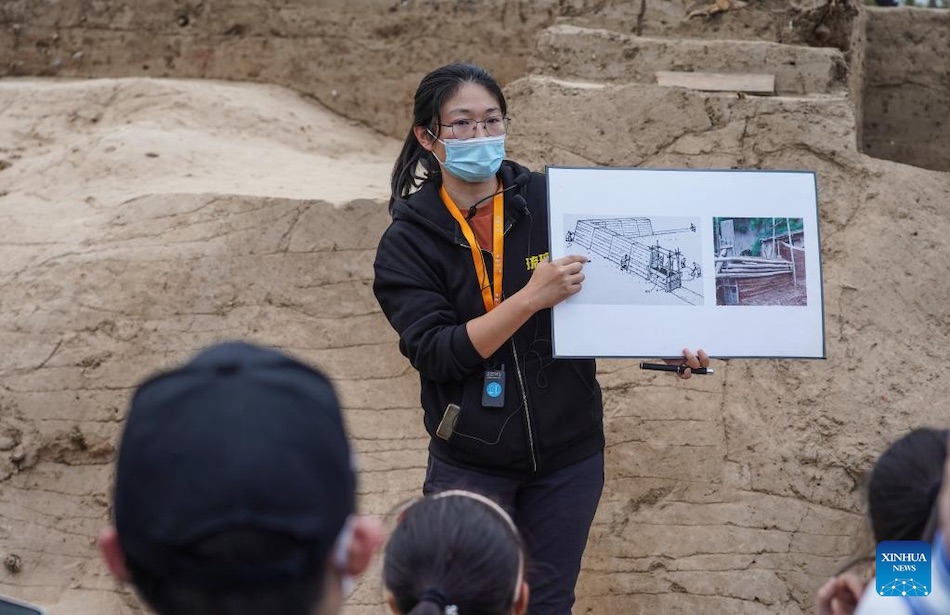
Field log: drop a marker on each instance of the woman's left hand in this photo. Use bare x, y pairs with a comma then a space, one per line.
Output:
691, 360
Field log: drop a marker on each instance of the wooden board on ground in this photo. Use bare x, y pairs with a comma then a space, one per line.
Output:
719, 82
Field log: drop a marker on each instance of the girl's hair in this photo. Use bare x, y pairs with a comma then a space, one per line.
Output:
454, 548
434, 90
903, 488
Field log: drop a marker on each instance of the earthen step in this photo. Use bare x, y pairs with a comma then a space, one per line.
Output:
571, 52
822, 23
563, 122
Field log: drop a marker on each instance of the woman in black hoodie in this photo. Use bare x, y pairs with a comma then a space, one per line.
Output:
464, 276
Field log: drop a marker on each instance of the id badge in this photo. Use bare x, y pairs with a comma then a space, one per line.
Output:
493, 388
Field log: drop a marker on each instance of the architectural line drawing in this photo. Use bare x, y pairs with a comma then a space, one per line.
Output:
634, 247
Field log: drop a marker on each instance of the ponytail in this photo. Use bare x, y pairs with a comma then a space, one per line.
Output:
433, 602
405, 177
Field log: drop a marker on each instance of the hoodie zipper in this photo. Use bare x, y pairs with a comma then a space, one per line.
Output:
527, 412
521, 388
520, 378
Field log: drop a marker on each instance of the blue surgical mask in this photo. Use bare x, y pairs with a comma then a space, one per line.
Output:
474, 160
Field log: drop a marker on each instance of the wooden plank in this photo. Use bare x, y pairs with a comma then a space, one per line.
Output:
738, 272
746, 276
753, 83
750, 259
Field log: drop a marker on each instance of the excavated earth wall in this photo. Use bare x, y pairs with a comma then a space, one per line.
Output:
361, 58
738, 493
907, 87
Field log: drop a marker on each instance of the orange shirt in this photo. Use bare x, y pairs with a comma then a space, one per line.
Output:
482, 226
494, 237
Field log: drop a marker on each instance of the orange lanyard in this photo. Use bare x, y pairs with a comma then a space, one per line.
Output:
490, 298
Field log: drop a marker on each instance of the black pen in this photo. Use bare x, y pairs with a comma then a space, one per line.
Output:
679, 369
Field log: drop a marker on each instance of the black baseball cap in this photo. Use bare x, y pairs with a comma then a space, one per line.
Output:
239, 438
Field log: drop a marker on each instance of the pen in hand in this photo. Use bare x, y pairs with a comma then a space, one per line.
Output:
679, 369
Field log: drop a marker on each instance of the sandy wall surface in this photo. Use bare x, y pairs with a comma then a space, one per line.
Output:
145, 218
758, 474
142, 220
363, 59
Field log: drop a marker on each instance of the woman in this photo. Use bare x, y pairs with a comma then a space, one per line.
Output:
455, 553
463, 275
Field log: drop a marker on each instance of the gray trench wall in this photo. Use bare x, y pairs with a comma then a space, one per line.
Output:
907, 87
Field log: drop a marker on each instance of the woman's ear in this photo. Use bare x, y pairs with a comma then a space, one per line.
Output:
521, 604
424, 137
391, 601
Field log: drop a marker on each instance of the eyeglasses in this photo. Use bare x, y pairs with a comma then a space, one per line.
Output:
495, 126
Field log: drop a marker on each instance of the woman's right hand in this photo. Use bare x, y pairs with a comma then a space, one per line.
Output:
551, 283
555, 281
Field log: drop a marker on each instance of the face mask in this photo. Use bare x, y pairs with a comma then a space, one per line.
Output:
474, 160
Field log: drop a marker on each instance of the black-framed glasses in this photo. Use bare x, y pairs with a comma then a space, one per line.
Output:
464, 128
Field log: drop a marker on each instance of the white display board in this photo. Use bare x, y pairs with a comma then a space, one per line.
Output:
728, 261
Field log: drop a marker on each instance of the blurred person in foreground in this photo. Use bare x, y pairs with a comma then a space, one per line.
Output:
235, 492
455, 553
908, 499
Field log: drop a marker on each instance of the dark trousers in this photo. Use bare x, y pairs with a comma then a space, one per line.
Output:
554, 513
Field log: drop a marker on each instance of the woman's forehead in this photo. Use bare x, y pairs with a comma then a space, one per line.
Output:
470, 98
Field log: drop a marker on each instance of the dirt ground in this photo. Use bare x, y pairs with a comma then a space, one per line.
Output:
145, 218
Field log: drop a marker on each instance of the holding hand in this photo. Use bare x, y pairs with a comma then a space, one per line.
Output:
550, 283
691, 361
555, 281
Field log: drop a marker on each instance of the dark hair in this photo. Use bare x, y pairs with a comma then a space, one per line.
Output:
904, 484
453, 549
295, 596
433, 91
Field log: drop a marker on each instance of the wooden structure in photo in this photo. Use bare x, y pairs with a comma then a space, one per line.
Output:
777, 277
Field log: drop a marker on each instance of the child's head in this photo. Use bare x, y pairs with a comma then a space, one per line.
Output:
905, 481
455, 549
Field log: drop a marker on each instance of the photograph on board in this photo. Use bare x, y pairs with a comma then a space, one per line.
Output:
760, 261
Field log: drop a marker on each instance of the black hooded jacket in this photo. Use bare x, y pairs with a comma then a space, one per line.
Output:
426, 285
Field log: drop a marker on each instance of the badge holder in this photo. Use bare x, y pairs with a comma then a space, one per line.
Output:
493, 389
